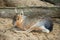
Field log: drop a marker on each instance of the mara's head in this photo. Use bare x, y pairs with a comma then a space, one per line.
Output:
18, 17
21, 17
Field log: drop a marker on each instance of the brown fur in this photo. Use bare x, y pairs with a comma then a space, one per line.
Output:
20, 23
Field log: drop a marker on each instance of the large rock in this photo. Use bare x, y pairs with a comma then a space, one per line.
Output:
56, 2
32, 12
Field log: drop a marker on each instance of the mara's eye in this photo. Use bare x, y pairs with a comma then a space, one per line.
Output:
21, 14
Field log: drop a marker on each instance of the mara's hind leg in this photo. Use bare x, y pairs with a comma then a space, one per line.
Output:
33, 27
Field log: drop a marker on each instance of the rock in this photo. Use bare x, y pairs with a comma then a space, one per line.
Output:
32, 12
56, 2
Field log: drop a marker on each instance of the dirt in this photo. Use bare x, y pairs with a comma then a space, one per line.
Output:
8, 34
2, 3
5, 23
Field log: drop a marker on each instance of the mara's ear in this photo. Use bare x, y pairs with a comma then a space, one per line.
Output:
21, 12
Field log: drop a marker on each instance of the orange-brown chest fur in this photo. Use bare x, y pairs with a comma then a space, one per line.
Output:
19, 22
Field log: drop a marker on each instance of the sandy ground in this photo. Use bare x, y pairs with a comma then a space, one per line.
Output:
8, 34
19, 3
